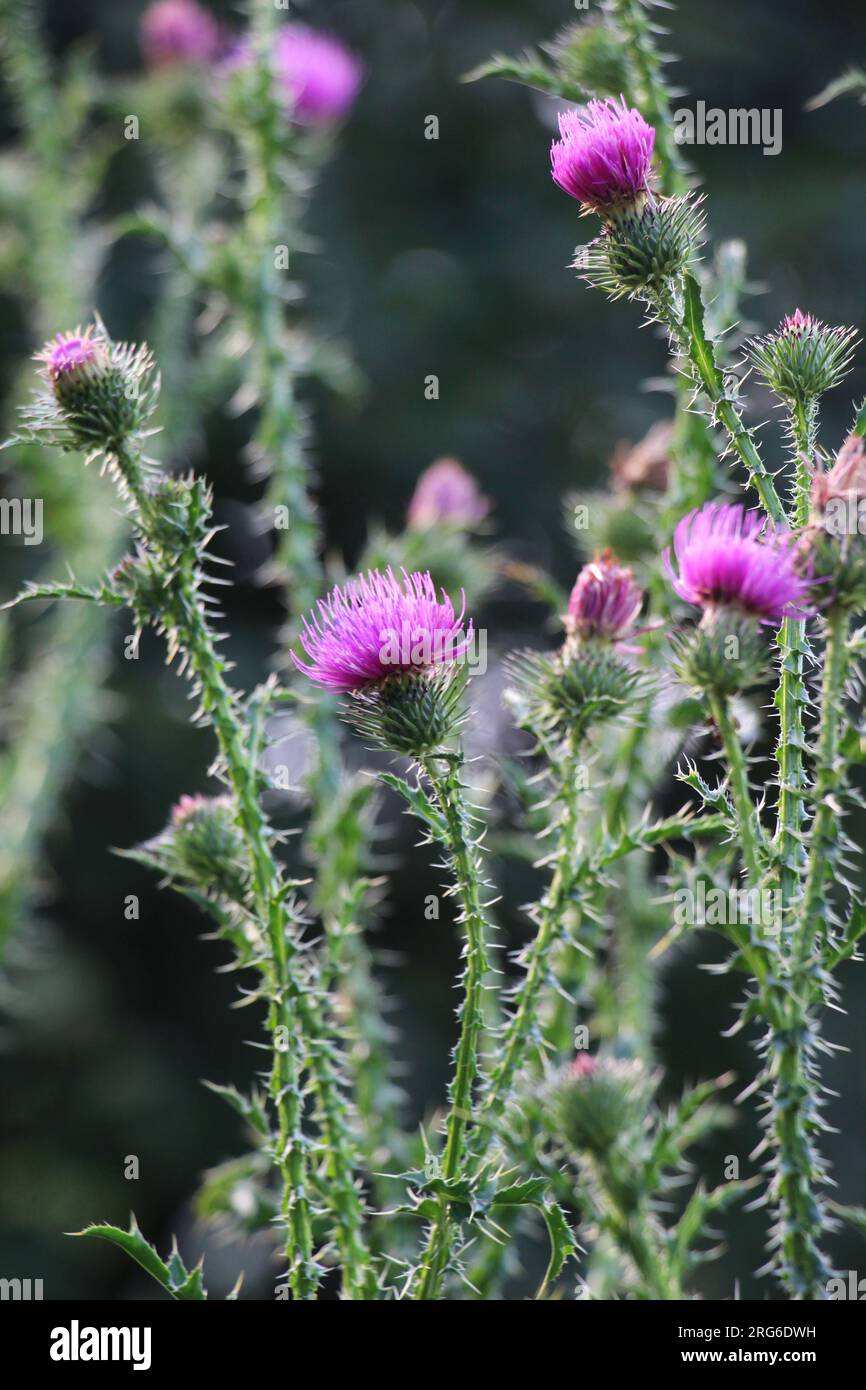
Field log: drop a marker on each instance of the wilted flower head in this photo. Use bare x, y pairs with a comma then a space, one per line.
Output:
729, 558
376, 626
178, 31
803, 358
846, 480
646, 464
446, 492
604, 155
605, 601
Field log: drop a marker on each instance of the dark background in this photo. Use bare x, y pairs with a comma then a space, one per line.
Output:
446, 257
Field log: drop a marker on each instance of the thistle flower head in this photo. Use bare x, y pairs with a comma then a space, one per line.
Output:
570, 691
316, 75
803, 358
728, 558
203, 845
376, 626
605, 602
643, 246
603, 156
846, 479
590, 56
837, 523
645, 464
446, 493
98, 391
178, 31
71, 354
594, 1103
317, 72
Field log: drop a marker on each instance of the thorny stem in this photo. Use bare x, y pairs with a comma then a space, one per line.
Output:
747, 816
448, 792
294, 1018
709, 381
648, 91
825, 822
522, 1024
269, 216
791, 698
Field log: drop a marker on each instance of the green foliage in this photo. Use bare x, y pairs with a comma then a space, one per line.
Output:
181, 1283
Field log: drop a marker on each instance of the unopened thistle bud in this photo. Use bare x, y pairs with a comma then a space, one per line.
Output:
446, 494
396, 649
644, 247
591, 56
206, 845
605, 602
803, 358
597, 1103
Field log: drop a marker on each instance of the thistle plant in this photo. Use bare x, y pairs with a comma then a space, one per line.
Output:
394, 648
726, 561
100, 397
693, 600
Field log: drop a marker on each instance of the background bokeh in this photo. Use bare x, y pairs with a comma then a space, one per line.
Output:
445, 257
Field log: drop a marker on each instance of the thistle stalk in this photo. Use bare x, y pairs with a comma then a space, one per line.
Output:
747, 816
648, 91
523, 1021
824, 825
448, 792
294, 1017
682, 313
791, 698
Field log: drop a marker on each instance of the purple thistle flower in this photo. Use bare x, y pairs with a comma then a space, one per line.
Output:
603, 158
318, 76
178, 31
605, 602
375, 627
445, 492
70, 352
730, 558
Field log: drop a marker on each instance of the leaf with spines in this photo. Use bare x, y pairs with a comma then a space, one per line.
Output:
181, 1283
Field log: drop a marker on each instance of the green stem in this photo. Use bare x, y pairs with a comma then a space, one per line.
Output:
294, 1016
649, 92
688, 337
791, 697
521, 1026
826, 819
747, 815
448, 791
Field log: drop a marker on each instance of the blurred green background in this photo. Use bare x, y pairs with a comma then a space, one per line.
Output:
445, 257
